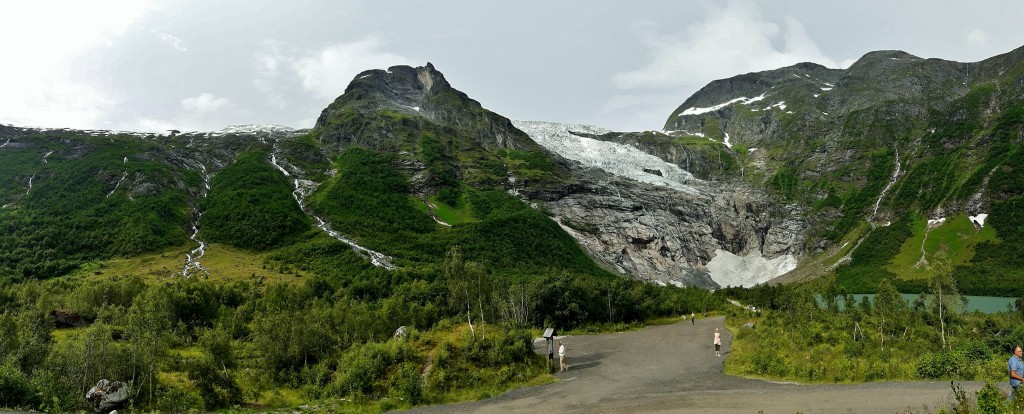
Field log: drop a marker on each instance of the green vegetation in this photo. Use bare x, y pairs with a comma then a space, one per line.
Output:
819, 334
85, 203
189, 344
250, 206
957, 236
369, 201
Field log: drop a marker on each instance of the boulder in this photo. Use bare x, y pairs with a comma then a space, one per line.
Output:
401, 332
66, 318
107, 397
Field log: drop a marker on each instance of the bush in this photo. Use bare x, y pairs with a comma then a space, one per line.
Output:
945, 364
15, 389
217, 388
991, 400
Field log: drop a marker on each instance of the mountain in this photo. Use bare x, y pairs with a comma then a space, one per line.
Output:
897, 167
401, 168
902, 166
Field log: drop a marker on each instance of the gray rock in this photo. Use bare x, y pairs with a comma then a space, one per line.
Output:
107, 397
665, 236
401, 333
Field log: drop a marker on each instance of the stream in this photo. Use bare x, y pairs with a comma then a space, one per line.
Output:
192, 258
895, 175
305, 187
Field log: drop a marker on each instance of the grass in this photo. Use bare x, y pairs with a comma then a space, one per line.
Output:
225, 264
452, 215
63, 335
822, 263
957, 236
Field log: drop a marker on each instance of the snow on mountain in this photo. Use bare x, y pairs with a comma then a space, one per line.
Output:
253, 128
619, 159
743, 100
728, 269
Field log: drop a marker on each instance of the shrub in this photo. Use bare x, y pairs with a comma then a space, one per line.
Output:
15, 389
945, 364
991, 400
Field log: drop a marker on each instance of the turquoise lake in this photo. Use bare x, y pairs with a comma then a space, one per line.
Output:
983, 304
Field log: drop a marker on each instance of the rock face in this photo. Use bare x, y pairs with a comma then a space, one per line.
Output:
669, 237
406, 95
107, 396
664, 229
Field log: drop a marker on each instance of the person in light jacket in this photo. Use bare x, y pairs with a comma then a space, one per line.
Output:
561, 356
718, 343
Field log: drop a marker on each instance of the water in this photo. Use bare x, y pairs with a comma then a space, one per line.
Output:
983, 304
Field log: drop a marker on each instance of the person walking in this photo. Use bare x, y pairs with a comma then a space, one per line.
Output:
693, 318
1015, 366
561, 356
718, 343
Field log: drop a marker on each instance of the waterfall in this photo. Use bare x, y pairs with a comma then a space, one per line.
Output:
192, 258
305, 187
123, 176
30, 184
895, 175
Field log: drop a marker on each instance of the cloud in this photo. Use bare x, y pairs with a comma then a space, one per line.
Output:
733, 40
40, 40
328, 71
173, 41
977, 38
204, 102
292, 77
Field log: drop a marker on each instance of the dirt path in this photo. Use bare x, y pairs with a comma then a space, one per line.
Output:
673, 369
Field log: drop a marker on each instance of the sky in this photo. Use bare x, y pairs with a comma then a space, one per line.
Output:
155, 65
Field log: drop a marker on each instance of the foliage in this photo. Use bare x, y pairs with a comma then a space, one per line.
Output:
93, 198
886, 340
250, 206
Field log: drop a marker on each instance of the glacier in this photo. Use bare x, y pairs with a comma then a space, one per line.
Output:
619, 159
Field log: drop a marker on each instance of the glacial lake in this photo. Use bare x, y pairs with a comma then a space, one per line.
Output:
983, 304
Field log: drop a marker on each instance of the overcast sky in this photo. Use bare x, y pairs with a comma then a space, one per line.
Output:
624, 65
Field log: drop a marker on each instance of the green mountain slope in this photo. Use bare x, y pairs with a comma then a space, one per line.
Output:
890, 141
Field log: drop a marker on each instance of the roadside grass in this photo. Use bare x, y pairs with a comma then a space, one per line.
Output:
957, 236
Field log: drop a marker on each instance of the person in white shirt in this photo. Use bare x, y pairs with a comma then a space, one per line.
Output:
561, 357
718, 343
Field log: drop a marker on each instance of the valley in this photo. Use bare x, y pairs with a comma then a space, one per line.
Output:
409, 248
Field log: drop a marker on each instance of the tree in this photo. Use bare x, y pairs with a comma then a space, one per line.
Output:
481, 286
459, 283
946, 298
889, 306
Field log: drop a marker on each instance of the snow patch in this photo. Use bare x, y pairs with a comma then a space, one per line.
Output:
936, 222
826, 89
726, 142
618, 159
253, 128
743, 100
979, 219
728, 269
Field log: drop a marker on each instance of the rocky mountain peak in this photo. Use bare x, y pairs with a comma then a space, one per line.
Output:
409, 95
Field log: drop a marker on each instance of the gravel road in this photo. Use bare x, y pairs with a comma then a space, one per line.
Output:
673, 369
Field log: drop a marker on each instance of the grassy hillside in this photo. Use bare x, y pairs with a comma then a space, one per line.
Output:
68, 199
369, 200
